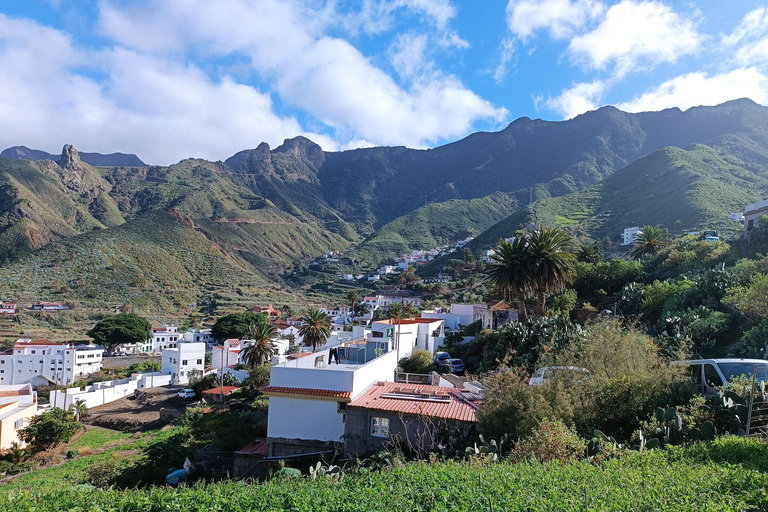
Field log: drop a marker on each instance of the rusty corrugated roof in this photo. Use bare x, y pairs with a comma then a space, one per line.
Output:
254, 448
409, 403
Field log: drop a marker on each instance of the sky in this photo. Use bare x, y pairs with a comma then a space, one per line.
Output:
173, 79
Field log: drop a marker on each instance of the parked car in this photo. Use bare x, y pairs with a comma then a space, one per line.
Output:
710, 374
440, 357
568, 373
452, 365
186, 393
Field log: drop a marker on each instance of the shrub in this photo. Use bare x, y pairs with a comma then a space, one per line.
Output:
287, 474
49, 429
550, 440
420, 361
71, 454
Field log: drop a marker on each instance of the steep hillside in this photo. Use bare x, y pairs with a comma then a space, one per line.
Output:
435, 225
41, 202
159, 261
371, 187
680, 189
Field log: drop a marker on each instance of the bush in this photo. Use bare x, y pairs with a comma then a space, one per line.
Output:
551, 440
287, 474
71, 454
420, 361
49, 429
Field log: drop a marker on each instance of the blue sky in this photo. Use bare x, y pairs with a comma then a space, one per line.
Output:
171, 79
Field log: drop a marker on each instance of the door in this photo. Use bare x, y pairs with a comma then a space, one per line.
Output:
696, 373
712, 379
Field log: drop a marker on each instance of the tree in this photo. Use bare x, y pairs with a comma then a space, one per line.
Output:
78, 409
420, 361
123, 328
353, 298
649, 241
752, 300
49, 429
551, 264
262, 347
316, 329
590, 252
508, 273
236, 325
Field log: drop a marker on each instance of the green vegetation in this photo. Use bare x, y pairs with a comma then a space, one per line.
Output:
236, 325
121, 329
686, 479
49, 429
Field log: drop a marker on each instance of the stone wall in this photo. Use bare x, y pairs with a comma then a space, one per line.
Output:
412, 433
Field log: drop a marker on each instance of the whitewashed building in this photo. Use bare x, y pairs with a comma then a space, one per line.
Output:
226, 355
18, 405
179, 361
41, 362
629, 236
198, 336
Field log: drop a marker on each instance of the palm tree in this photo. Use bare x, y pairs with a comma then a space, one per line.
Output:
590, 252
508, 273
262, 348
78, 409
551, 263
649, 240
316, 328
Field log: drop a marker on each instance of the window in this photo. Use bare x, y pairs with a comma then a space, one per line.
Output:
181, 373
18, 424
711, 377
380, 427
184, 362
41, 361
34, 352
377, 334
199, 361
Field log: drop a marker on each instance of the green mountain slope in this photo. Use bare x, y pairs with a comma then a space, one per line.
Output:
159, 261
435, 225
680, 189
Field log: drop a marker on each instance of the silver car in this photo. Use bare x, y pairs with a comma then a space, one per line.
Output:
710, 374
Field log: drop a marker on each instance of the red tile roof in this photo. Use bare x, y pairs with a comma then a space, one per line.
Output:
456, 408
330, 393
254, 448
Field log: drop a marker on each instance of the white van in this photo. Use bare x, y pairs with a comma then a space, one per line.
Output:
710, 374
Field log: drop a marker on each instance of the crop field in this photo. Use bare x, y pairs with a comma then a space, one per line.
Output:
725, 475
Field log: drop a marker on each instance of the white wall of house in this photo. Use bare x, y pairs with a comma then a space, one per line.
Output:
465, 312
380, 369
13, 417
178, 362
100, 393
309, 377
290, 418
56, 362
629, 236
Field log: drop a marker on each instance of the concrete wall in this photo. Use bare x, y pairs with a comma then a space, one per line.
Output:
380, 369
303, 418
101, 393
310, 377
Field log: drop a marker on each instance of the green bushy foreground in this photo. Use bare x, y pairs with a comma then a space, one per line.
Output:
723, 475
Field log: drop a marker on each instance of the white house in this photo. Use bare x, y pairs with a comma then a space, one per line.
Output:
18, 405
178, 362
630, 235
198, 336
41, 362
226, 355
308, 394
165, 336
752, 212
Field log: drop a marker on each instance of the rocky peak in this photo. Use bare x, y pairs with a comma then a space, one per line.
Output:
304, 148
70, 159
260, 154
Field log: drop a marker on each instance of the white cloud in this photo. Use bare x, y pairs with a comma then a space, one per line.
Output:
505, 56
750, 39
636, 36
699, 89
325, 76
407, 54
158, 109
562, 18
377, 16
580, 98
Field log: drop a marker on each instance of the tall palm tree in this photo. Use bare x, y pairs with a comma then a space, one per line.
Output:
262, 347
551, 262
508, 273
649, 241
316, 329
